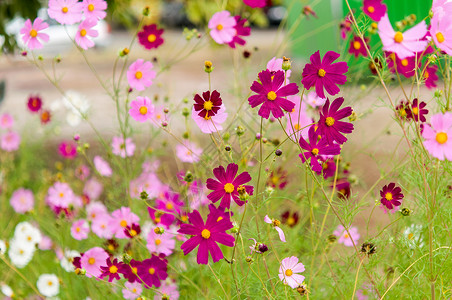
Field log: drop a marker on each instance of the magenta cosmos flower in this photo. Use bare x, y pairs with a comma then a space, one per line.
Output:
31, 34
288, 272
375, 9
121, 148
10, 141
141, 109
404, 66
92, 260
150, 37
227, 185
357, 47
85, 30
441, 32
270, 94
241, 30
102, 166
329, 125
403, 44
222, 27
111, 269
34, 103
153, 270
417, 111
208, 105
255, 3
391, 196
68, 149
207, 235
80, 230
140, 74
22, 200
430, 76
345, 238
275, 223
94, 9
316, 148
324, 74
65, 11
210, 124
438, 136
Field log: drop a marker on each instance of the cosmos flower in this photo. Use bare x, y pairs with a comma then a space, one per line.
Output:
188, 152
121, 218
65, 11
210, 124
169, 291
278, 178
121, 148
141, 109
275, 223
289, 218
140, 74
93, 188
207, 235
60, 195
241, 30
102, 166
85, 30
32, 35
438, 136
111, 269
92, 260
298, 120
344, 238
430, 76
391, 196
404, 66
441, 32
417, 111
80, 229
222, 27
288, 272
313, 99
94, 9
20, 252
22, 200
132, 290
324, 74
375, 9
151, 37
169, 202
271, 94
101, 226
10, 141
68, 149
160, 243
402, 44
6, 121
151, 271
208, 105
330, 126
48, 285
357, 48
227, 185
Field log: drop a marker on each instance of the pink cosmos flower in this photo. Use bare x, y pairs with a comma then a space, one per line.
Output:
441, 32
92, 260
122, 149
147, 182
22, 200
10, 141
430, 76
93, 188
288, 272
150, 37
275, 223
272, 94
374, 9
241, 30
160, 243
255, 3
94, 9
228, 184
344, 238
68, 149
121, 218
82, 172
188, 152
298, 119
80, 229
221, 27
210, 124
403, 44
45, 243
85, 30
324, 73
169, 291
102, 166
140, 74
65, 11
141, 109
330, 126
60, 194
6, 121
441, 8
132, 291
438, 136
94, 210
101, 226
31, 34
314, 100
357, 47
207, 235
167, 202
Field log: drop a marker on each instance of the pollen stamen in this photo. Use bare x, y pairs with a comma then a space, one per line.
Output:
151, 38
398, 37
33, 34
321, 73
329, 121
205, 234
229, 188
271, 95
441, 137
440, 37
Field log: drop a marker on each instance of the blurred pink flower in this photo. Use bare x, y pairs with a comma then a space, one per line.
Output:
441, 32
438, 136
344, 238
101, 226
275, 64
31, 34
22, 200
221, 27
122, 149
298, 118
94, 210
313, 100
60, 194
82, 172
65, 11
80, 230
92, 260
188, 152
102, 166
84, 31
169, 291
68, 149
160, 243
45, 243
141, 109
211, 124
94, 9
93, 188
140, 74
10, 141
121, 218
6, 121
133, 290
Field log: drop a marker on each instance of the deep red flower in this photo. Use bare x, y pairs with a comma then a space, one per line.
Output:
112, 269
289, 218
278, 178
271, 92
343, 188
329, 125
391, 196
357, 47
132, 231
130, 271
208, 105
227, 185
324, 74
151, 271
150, 37
430, 76
328, 168
417, 111
241, 31
402, 109
34, 103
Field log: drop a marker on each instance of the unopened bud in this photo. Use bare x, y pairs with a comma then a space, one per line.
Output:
144, 195
188, 177
79, 271
146, 11
286, 63
159, 230
208, 68
406, 212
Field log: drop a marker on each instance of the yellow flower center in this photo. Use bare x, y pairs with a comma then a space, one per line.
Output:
402, 112
111, 247
169, 205
441, 137
371, 9
133, 232
398, 37
219, 219
356, 45
50, 283
157, 220
291, 220
276, 222
297, 126
113, 269
151, 38
143, 110
90, 7
321, 73
77, 229
410, 236
271, 95
82, 32
205, 234
289, 272
426, 74
134, 270
138, 75
61, 195
346, 236
184, 218
65, 10
123, 223
229, 188
315, 151
440, 37
208, 105
404, 62
219, 27
275, 180
151, 271
158, 242
415, 110
388, 196
329, 121
91, 260
33, 33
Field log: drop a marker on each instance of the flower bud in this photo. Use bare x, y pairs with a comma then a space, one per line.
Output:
227, 148
286, 63
188, 177
79, 271
249, 259
278, 152
124, 52
144, 195
208, 68
126, 258
405, 212
159, 230
239, 130
185, 112
146, 11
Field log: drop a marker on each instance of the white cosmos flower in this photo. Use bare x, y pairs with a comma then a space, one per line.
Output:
413, 235
28, 233
2, 247
78, 105
66, 262
6, 290
20, 252
48, 285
